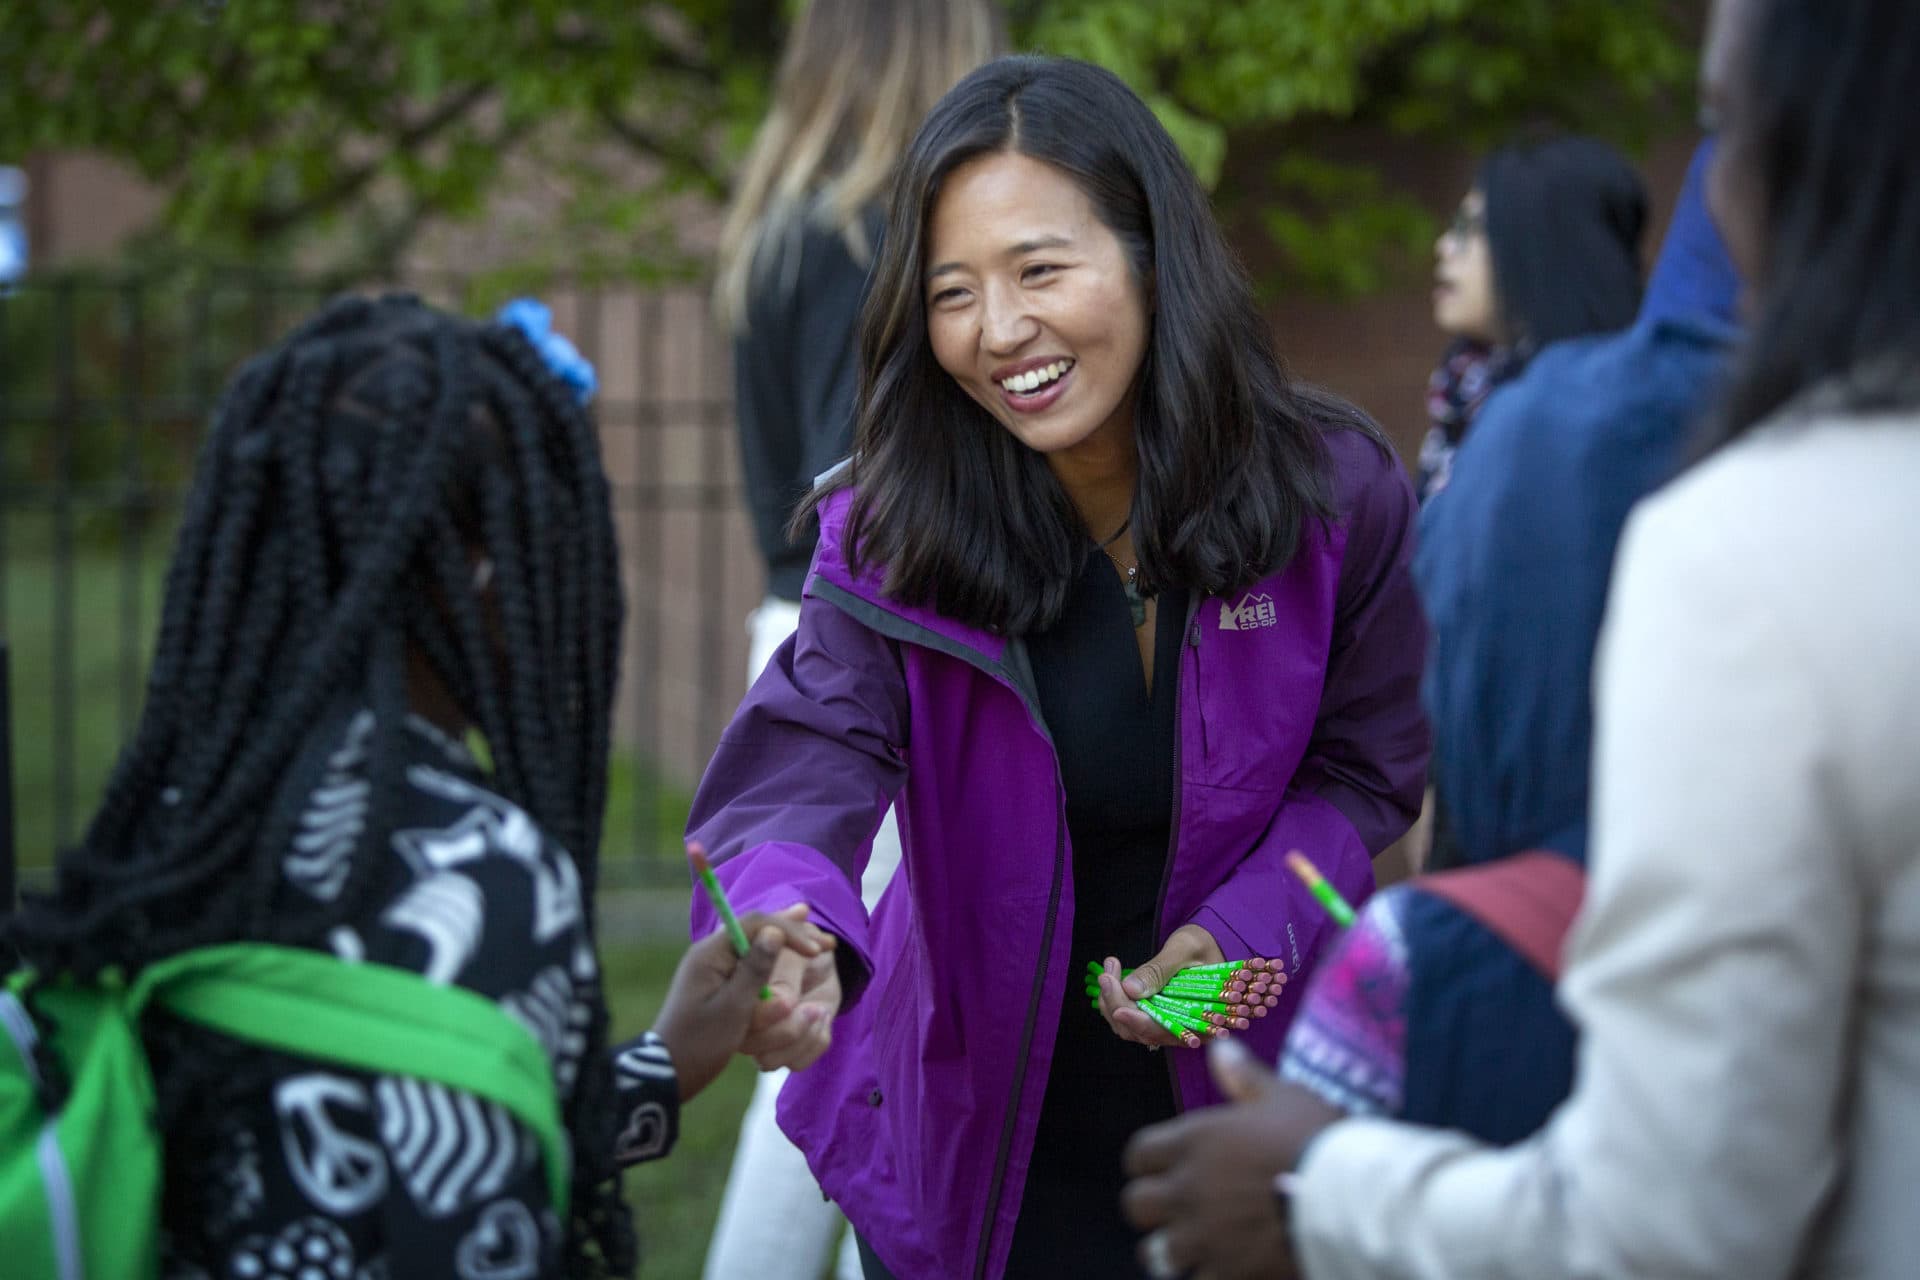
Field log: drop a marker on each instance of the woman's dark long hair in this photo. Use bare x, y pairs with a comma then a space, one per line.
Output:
1822, 122
1564, 220
351, 475
1231, 457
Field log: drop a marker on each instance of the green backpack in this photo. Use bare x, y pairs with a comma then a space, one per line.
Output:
80, 1177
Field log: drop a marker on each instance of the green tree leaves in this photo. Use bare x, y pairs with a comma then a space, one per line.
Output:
334, 131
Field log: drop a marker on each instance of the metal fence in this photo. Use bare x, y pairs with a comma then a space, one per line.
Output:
106, 383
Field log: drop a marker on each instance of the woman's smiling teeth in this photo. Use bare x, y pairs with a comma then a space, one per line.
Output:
1025, 384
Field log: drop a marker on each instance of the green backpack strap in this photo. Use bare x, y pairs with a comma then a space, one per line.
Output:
371, 1017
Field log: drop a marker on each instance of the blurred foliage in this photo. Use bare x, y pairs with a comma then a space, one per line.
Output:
1273, 94
335, 130
330, 132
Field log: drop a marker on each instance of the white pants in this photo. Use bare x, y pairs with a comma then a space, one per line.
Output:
774, 1224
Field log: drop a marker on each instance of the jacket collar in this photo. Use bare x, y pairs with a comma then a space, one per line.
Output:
830, 565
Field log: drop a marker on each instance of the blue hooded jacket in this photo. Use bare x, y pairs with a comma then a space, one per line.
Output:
1513, 565
1515, 554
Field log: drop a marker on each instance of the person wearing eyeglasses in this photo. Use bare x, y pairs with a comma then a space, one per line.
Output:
1545, 246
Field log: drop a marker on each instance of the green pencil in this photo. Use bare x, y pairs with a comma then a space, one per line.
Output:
1221, 1022
1253, 964
1196, 1006
1193, 984
1171, 1026
711, 884
1181, 1018
1325, 894
1194, 993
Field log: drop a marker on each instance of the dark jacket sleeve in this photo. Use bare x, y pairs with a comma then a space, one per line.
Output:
827, 371
796, 371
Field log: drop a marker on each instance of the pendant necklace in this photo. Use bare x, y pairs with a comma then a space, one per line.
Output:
1136, 603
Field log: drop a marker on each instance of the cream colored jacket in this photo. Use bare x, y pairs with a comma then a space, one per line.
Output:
1747, 967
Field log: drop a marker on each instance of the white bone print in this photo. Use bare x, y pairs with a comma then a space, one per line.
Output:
335, 817
493, 824
445, 909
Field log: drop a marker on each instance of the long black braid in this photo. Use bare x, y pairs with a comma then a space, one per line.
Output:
352, 476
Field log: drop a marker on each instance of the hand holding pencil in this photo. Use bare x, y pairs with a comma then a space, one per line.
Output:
715, 996
793, 1023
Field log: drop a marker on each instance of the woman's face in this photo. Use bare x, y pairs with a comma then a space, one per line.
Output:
1033, 307
1464, 303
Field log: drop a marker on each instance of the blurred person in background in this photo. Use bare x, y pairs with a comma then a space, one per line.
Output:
1743, 971
1431, 1009
854, 82
1544, 247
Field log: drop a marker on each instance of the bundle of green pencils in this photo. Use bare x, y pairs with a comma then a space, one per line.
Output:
1209, 999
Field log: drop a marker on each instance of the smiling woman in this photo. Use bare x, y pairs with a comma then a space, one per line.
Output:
1046, 331
1020, 240
1122, 615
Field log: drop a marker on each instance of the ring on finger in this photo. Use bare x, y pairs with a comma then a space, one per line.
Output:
1159, 1257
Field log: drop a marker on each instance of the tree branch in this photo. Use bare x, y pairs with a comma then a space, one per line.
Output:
271, 222
662, 53
672, 150
380, 255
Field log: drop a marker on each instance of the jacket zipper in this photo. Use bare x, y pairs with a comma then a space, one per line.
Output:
1005, 1147
54, 1174
890, 624
1192, 635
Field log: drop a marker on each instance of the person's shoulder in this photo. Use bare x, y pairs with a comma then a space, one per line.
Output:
835, 505
1591, 420
826, 253
1586, 391
831, 558
1791, 531
1832, 471
1569, 384
453, 819
1369, 481
801, 260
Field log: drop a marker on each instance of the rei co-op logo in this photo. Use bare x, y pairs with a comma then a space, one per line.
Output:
1251, 612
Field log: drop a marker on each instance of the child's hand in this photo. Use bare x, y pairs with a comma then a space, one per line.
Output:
715, 996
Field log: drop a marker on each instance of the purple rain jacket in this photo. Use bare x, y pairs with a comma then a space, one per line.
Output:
1298, 727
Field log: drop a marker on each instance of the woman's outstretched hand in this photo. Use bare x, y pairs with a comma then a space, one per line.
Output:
1189, 945
796, 1026
714, 1004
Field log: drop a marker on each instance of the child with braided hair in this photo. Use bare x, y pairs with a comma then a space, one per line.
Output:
398, 541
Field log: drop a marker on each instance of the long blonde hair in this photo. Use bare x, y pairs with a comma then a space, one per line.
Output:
855, 80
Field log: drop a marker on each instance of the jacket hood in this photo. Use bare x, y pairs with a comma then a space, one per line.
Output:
1694, 279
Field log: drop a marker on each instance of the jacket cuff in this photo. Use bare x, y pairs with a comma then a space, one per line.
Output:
647, 1090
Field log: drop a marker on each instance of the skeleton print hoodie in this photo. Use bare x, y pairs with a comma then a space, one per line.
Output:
288, 1169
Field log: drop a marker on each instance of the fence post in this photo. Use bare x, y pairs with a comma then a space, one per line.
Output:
6, 787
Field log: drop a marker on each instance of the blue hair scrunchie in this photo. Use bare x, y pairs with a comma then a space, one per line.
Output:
531, 317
